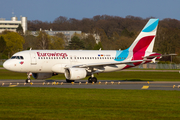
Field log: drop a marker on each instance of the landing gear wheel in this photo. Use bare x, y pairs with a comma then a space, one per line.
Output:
92, 79
69, 81
28, 80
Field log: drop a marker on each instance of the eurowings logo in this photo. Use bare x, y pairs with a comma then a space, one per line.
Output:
21, 62
51, 54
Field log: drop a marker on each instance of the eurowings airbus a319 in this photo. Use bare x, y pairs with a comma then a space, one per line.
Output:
77, 64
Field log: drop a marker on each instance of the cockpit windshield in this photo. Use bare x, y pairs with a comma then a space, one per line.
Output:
17, 57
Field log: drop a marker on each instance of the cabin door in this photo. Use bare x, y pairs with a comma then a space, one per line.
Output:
33, 58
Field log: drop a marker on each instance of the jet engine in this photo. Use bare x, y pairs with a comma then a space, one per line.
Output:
75, 73
41, 76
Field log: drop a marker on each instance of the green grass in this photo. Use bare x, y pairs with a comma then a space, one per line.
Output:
89, 104
140, 75
120, 75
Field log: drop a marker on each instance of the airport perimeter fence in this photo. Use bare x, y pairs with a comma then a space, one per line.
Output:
143, 66
158, 66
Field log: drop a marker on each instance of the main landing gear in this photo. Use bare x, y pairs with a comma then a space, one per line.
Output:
92, 79
28, 80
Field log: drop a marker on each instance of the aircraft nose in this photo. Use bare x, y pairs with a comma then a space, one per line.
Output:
6, 65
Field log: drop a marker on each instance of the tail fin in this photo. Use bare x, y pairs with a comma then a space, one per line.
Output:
143, 44
145, 40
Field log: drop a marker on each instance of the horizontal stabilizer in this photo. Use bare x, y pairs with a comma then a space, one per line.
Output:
153, 56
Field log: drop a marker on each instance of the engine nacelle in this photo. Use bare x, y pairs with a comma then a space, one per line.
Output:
41, 76
75, 73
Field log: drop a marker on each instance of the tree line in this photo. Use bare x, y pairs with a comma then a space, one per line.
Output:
115, 33
12, 42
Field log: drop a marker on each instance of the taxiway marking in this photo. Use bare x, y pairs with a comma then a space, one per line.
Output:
145, 87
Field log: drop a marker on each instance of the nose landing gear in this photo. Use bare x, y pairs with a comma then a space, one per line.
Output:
28, 80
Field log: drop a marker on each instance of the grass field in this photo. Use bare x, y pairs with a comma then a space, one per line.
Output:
120, 75
89, 104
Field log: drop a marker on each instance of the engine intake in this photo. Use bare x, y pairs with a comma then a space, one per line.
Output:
75, 73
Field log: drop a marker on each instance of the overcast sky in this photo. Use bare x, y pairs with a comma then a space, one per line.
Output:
48, 10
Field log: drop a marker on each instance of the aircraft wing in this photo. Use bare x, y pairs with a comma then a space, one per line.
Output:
108, 63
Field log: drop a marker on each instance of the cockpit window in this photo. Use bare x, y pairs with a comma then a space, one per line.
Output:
13, 57
17, 57
21, 57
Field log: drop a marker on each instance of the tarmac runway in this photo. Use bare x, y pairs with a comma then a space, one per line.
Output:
101, 84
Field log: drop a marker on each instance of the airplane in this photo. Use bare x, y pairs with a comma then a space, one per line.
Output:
77, 64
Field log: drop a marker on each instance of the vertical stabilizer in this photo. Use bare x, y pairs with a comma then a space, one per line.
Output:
145, 40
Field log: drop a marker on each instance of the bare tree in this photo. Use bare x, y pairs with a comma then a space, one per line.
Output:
43, 40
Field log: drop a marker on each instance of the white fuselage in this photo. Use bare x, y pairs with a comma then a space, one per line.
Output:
49, 61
